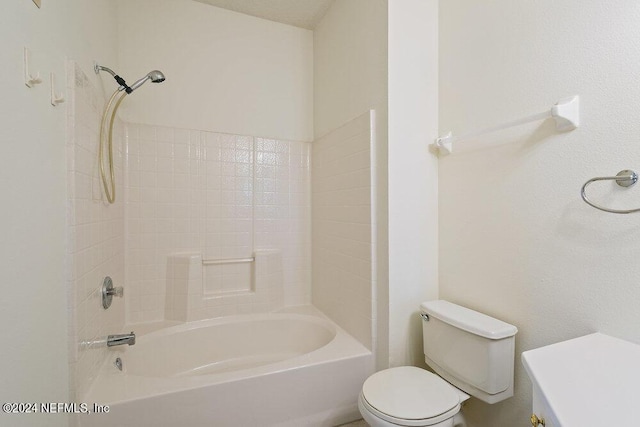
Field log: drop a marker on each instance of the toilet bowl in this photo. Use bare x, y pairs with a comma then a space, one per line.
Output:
410, 396
469, 352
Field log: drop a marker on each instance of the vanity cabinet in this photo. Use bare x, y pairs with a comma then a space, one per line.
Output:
541, 410
590, 381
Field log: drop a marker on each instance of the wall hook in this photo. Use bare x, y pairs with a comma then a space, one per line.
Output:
55, 97
29, 79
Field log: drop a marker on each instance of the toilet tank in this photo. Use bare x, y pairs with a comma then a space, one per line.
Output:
471, 350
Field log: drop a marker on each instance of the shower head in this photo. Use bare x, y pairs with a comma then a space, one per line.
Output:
155, 76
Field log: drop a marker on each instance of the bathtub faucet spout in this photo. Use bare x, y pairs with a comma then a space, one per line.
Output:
113, 340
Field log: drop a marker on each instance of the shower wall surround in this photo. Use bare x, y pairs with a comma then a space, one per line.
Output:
178, 191
344, 240
95, 233
220, 195
187, 299
350, 76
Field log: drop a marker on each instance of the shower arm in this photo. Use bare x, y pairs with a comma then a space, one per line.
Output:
123, 84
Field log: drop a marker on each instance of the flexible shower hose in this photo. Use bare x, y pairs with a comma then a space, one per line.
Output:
109, 183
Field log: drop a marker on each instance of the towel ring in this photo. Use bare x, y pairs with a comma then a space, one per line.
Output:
624, 178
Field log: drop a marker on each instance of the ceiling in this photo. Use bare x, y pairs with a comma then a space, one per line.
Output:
300, 13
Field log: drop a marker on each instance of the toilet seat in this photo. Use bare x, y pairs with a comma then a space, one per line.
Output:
409, 396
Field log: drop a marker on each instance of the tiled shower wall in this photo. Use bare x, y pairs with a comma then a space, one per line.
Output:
95, 233
177, 191
224, 196
343, 224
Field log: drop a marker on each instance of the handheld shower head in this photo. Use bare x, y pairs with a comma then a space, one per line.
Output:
106, 132
155, 76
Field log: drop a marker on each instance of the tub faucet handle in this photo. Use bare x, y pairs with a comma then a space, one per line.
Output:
109, 291
118, 291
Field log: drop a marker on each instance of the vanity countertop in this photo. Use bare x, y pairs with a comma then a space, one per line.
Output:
591, 381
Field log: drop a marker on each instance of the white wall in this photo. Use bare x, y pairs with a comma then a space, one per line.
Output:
226, 72
350, 63
350, 78
413, 173
517, 242
33, 307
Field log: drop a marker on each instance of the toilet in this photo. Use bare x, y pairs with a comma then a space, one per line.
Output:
472, 355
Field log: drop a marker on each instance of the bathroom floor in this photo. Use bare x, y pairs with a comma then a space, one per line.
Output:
359, 423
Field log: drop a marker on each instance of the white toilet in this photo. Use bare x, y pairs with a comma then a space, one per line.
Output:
472, 353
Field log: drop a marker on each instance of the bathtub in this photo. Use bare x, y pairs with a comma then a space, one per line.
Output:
276, 369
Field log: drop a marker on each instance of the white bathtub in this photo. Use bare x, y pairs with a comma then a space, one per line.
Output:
281, 369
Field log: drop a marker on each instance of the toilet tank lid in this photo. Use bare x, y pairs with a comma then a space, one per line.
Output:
468, 320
